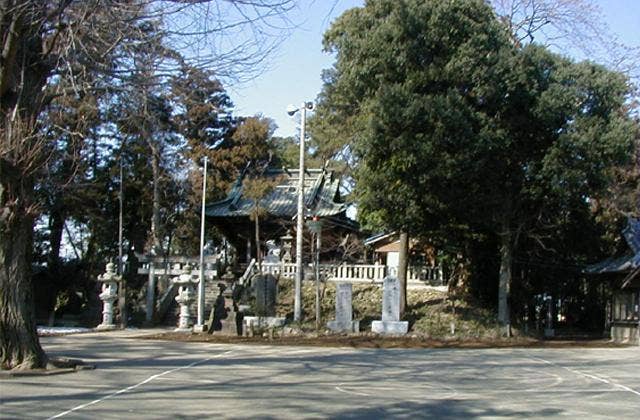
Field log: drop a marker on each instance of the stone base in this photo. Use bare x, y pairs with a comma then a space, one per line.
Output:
229, 325
183, 330
251, 322
626, 334
344, 326
549, 332
390, 327
199, 328
104, 327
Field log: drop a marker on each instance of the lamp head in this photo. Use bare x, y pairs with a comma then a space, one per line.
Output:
291, 109
308, 105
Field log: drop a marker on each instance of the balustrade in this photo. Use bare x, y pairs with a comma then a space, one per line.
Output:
360, 273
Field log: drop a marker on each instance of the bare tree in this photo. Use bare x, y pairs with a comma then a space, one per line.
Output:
576, 26
48, 48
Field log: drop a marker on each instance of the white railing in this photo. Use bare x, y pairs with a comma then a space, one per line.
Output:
174, 265
361, 273
287, 270
369, 273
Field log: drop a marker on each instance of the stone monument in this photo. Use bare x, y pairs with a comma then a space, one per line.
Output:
265, 293
344, 311
186, 296
265, 290
390, 323
108, 295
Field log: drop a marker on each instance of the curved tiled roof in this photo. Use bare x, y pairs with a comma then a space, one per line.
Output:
320, 196
627, 263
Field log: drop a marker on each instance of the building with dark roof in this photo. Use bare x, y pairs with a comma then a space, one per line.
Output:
322, 200
623, 273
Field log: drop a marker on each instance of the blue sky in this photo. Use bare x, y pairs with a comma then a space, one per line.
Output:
294, 73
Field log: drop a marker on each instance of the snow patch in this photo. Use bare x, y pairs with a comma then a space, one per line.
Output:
61, 330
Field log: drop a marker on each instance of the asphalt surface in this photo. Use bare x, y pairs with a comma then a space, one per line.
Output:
145, 379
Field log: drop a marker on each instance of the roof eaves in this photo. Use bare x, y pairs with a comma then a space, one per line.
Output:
611, 265
378, 237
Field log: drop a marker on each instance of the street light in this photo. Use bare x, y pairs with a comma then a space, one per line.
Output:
291, 110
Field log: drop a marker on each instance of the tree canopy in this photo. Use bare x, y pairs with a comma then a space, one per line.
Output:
459, 133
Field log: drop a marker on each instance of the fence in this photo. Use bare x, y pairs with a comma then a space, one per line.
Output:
362, 273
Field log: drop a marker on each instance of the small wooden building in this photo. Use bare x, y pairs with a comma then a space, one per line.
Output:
623, 275
384, 248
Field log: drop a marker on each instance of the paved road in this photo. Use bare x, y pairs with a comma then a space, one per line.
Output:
152, 379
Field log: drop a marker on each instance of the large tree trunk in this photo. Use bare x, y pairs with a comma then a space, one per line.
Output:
23, 73
258, 254
403, 264
18, 336
504, 282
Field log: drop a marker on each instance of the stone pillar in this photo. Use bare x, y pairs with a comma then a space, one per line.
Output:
229, 324
108, 296
390, 323
344, 311
186, 296
549, 330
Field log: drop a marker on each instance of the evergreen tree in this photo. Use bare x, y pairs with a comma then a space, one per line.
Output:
458, 132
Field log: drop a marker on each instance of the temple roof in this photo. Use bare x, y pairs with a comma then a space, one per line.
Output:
628, 263
622, 264
321, 196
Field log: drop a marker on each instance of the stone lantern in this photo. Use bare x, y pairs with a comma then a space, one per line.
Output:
286, 241
186, 296
108, 295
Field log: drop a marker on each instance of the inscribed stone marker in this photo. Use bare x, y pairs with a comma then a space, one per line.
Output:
344, 311
391, 299
265, 290
390, 323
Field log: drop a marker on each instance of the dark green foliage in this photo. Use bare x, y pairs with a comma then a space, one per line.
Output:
465, 139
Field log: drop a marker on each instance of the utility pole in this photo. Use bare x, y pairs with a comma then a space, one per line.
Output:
297, 304
200, 325
122, 291
297, 310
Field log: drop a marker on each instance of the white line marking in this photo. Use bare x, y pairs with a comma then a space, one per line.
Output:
588, 375
199, 381
351, 392
390, 386
129, 388
557, 382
